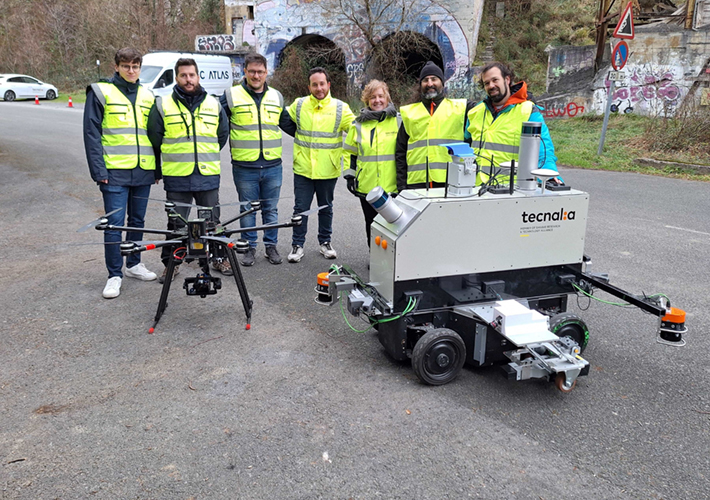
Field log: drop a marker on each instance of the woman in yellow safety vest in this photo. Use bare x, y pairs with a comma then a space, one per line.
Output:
370, 144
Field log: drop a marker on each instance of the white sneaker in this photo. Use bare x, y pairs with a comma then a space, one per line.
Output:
140, 272
296, 254
328, 251
112, 288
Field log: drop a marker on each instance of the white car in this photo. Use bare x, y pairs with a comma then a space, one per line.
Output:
14, 86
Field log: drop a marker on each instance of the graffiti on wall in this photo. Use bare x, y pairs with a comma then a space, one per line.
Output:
646, 89
647, 85
562, 110
281, 21
215, 43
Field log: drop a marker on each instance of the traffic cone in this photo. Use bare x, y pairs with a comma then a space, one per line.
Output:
37, 100
70, 105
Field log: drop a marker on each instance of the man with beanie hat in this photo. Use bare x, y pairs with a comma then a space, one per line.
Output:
434, 120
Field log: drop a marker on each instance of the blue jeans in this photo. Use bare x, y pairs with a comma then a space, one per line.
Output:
303, 190
259, 184
134, 200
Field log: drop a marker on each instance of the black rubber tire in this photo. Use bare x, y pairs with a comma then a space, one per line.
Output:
9, 96
570, 325
51, 95
438, 356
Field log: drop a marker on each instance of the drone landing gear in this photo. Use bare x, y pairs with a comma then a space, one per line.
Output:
204, 284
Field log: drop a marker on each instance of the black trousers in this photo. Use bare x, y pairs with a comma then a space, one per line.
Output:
370, 214
201, 198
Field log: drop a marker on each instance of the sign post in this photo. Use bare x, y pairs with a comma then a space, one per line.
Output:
619, 58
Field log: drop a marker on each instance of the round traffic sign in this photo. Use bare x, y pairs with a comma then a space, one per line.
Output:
620, 55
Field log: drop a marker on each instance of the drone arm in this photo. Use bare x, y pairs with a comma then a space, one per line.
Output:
109, 227
150, 246
242, 214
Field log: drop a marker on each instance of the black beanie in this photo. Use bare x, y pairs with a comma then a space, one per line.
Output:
431, 69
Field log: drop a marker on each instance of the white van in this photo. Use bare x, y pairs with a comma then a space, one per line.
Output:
157, 72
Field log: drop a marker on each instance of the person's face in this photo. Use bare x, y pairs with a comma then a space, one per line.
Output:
129, 71
497, 87
188, 79
318, 86
378, 100
431, 86
256, 76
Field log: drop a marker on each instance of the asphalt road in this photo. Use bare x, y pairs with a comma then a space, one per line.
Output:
300, 406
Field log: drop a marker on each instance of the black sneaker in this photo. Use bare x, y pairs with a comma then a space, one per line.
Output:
248, 259
273, 255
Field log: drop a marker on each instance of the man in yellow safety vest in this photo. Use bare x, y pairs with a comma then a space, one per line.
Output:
320, 121
427, 124
189, 128
494, 125
256, 117
121, 160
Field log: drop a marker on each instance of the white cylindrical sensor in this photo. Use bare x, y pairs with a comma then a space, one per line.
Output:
384, 205
528, 156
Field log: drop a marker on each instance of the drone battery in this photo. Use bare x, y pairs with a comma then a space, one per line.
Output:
196, 230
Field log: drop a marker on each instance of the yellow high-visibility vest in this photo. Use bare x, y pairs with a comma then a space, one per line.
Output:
252, 129
190, 138
426, 160
497, 139
375, 162
124, 135
318, 143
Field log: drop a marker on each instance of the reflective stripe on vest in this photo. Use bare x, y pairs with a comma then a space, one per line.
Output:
497, 139
253, 130
426, 161
375, 160
123, 130
190, 139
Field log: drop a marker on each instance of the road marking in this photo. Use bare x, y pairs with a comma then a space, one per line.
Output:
689, 230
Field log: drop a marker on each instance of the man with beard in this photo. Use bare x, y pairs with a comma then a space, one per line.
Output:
435, 120
495, 124
188, 129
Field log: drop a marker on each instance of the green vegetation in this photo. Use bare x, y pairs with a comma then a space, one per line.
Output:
529, 26
628, 137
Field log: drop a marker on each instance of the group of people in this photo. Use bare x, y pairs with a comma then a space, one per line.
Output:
134, 140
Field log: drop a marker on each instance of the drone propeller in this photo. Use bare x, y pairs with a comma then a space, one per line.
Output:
176, 203
96, 222
247, 203
312, 211
138, 243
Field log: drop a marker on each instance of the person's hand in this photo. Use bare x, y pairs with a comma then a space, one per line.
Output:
103, 181
553, 181
351, 184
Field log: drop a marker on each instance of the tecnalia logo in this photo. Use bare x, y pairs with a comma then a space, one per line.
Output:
548, 216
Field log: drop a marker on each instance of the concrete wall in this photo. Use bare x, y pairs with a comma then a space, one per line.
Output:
668, 66
453, 28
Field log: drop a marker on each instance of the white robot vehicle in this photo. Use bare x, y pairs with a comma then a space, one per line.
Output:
498, 298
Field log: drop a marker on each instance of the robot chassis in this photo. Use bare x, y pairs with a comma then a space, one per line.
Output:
502, 303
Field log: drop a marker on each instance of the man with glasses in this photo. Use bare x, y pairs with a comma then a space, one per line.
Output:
121, 160
188, 130
257, 116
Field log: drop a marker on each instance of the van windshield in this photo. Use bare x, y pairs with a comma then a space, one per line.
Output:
148, 73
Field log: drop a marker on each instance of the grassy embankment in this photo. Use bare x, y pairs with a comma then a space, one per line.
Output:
628, 137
